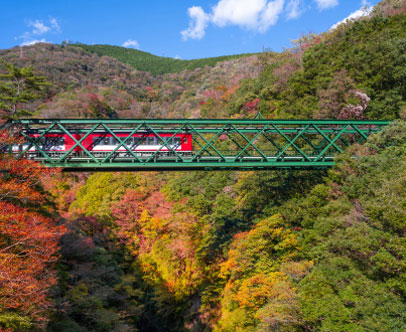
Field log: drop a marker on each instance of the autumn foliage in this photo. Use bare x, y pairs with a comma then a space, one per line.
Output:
259, 251
28, 244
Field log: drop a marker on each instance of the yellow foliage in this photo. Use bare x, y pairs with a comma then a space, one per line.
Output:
255, 291
296, 270
265, 300
259, 271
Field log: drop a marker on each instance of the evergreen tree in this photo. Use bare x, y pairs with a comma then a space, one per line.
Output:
18, 87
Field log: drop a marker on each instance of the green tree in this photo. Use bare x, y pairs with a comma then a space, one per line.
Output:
19, 87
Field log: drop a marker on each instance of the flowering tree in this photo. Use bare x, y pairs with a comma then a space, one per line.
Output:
341, 100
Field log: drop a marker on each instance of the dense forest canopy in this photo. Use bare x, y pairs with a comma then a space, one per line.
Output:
287, 251
153, 64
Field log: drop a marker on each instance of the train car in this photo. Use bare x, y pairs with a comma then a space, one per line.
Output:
101, 144
143, 144
50, 143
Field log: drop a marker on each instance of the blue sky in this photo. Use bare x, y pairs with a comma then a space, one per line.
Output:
185, 29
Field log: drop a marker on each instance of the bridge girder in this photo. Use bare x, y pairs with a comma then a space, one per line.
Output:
217, 144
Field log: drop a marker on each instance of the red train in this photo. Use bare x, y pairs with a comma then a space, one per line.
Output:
103, 143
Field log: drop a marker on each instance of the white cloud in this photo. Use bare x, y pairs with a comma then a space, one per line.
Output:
39, 28
32, 42
294, 9
54, 24
325, 4
238, 12
252, 14
365, 10
177, 57
197, 25
131, 43
270, 15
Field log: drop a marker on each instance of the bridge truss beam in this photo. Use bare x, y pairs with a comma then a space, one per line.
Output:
217, 144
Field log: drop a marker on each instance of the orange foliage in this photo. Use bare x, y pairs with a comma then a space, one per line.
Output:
126, 213
258, 277
268, 238
255, 291
151, 93
28, 245
164, 243
157, 206
64, 187
22, 178
228, 94
28, 239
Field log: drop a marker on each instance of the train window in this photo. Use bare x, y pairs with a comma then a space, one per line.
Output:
127, 141
139, 141
97, 140
51, 141
176, 140
185, 139
151, 140
100, 140
113, 141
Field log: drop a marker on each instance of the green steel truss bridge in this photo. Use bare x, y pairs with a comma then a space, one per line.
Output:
217, 144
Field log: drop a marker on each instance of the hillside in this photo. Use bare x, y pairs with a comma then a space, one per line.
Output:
280, 251
356, 71
91, 83
153, 64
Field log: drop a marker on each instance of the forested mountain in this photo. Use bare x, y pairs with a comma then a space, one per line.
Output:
153, 64
87, 85
287, 251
